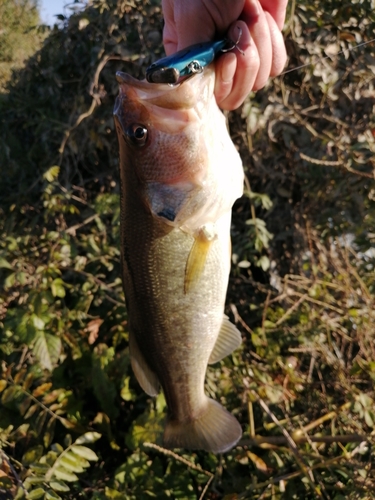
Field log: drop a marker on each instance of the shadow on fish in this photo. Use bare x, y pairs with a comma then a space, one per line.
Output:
180, 175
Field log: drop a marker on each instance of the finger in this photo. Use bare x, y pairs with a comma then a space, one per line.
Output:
169, 39
225, 69
247, 67
260, 33
183, 27
192, 28
169, 31
279, 55
277, 9
195, 21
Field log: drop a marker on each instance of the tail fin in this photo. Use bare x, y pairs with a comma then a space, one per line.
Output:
216, 430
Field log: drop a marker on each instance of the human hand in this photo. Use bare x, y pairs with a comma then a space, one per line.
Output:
193, 21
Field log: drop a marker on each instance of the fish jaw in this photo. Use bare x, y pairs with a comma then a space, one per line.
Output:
187, 158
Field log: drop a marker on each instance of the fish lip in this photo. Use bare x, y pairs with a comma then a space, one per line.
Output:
125, 78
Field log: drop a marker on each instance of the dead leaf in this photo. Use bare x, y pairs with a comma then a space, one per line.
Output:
258, 462
92, 329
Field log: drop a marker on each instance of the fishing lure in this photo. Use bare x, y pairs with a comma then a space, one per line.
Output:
177, 67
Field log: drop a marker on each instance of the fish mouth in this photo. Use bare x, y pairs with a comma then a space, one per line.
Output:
183, 95
125, 78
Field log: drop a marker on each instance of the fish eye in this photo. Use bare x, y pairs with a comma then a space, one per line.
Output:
137, 134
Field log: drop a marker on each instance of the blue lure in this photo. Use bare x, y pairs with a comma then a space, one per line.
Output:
186, 62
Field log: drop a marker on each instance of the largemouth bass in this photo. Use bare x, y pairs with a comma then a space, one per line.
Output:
180, 175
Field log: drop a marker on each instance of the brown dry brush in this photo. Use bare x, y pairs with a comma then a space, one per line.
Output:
301, 290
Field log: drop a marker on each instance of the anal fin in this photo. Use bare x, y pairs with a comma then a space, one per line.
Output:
228, 340
147, 379
198, 255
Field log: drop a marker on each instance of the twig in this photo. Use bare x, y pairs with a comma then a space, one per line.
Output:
81, 117
95, 98
327, 163
320, 303
266, 304
64, 421
72, 230
293, 475
301, 439
292, 445
291, 309
98, 281
238, 318
315, 161
197, 468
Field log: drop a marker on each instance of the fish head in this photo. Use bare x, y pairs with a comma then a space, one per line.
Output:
177, 160
160, 127
162, 135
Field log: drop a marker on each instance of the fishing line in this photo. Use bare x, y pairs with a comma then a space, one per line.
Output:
350, 49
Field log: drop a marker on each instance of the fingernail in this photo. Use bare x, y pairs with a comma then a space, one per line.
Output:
240, 36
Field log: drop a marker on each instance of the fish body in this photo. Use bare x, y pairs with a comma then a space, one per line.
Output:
180, 175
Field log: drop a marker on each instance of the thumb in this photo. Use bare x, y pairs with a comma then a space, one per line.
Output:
186, 23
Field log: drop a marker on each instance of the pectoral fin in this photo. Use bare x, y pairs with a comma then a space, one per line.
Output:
198, 256
147, 379
228, 340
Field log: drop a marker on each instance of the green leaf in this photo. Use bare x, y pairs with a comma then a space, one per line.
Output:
84, 452
24, 405
3, 384
264, 263
126, 393
369, 418
11, 394
61, 473
80, 460
6, 483
33, 480
70, 463
52, 173
59, 486
148, 427
103, 385
10, 281
57, 288
38, 322
33, 454
49, 432
5, 264
88, 437
110, 493
35, 494
39, 468
51, 495
40, 421
30, 412
47, 349
56, 447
